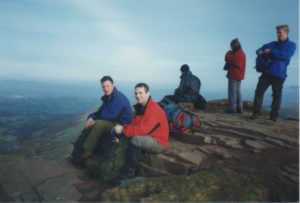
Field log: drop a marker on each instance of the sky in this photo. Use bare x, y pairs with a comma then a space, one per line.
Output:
138, 40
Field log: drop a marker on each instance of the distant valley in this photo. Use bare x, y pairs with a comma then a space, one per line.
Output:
28, 109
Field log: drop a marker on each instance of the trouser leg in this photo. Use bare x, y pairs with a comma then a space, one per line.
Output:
136, 146
100, 128
277, 85
262, 86
232, 94
239, 99
78, 145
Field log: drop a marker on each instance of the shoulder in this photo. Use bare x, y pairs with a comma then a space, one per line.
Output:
241, 52
154, 106
120, 95
291, 44
270, 44
228, 53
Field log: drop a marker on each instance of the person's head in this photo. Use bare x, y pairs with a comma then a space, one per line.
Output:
235, 44
184, 68
142, 93
107, 84
282, 32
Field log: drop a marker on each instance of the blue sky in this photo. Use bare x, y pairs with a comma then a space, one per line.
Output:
138, 40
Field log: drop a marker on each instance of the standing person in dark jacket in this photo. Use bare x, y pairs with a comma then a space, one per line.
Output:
280, 53
115, 109
235, 65
149, 130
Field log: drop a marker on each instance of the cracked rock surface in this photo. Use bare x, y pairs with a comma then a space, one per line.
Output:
230, 158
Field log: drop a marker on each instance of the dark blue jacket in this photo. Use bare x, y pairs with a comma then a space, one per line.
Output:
115, 108
281, 53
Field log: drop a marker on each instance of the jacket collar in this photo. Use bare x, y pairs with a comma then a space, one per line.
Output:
140, 109
283, 42
107, 98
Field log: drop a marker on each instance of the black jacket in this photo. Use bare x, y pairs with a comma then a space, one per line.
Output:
189, 88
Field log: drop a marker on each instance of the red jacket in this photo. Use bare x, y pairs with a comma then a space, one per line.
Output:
236, 62
152, 122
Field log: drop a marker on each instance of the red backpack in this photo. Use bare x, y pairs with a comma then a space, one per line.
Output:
181, 120
185, 121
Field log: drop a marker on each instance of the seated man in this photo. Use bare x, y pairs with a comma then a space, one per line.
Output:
114, 109
189, 87
148, 132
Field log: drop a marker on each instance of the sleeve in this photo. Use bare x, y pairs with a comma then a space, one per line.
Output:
180, 91
228, 56
96, 114
144, 127
235, 60
284, 54
265, 46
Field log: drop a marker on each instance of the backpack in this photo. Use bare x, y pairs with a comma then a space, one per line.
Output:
200, 102
262, 63
181, 120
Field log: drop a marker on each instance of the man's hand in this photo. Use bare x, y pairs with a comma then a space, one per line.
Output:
266, 51
89, 123
119, 129
260, 52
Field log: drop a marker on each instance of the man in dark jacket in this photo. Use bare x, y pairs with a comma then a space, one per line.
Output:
115, 109
280, 53
235, 65
189, 87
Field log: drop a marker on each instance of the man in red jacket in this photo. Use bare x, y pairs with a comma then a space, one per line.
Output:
148, 132
235, 65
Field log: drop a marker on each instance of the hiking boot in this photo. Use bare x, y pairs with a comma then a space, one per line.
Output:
87, 154
230, 110
239, 110
273, 115
117, 180
273, 118
254, 116
78, 162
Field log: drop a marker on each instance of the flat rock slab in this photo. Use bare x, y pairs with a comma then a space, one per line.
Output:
35, 179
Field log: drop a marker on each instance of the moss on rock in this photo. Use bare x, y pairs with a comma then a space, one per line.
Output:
107, 165
218, 184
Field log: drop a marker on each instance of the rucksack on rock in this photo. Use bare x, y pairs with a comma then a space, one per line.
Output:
181, 120
200, 102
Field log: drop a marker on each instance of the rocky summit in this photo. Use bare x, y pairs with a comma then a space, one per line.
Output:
229, 158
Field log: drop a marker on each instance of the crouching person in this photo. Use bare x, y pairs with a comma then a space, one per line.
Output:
114, 109
148, 132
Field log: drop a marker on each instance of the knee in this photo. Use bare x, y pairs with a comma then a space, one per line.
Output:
276, 95
259, 91
134, 140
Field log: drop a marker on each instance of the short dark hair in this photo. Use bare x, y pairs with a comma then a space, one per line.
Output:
235, 44
144, 85
184, 68
105, 78
283, 27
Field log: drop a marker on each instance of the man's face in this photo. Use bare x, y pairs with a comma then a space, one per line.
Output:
107, 87
141, 95
282, 34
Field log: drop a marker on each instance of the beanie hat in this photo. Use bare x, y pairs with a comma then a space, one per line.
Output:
184, 68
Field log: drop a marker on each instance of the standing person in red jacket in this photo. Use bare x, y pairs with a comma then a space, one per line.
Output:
235, 65
148, 132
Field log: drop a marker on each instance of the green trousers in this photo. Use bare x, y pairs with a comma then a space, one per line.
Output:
100, 128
